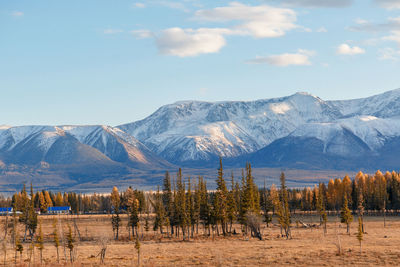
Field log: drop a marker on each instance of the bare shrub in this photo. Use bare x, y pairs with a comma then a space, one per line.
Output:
103, 243
254, 222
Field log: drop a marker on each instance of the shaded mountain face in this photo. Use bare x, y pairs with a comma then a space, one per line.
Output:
91, 146
332, 134
202, 130
298, 131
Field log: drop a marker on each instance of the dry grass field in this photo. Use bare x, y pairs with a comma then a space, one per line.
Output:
308, 247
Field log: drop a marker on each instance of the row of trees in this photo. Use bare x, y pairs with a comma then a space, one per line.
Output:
184, 206
378, 192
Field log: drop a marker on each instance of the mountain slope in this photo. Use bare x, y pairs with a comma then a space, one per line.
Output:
193, 133
78, 145
202, 130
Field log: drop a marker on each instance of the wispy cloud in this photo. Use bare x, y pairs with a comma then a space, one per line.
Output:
301, 58
139, 5
142, 34
345, 49
17, 14
389, 4
315, 3
388, 53
112, 31
366, 26
173, 5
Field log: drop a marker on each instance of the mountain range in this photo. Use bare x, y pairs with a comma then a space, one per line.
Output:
298, 131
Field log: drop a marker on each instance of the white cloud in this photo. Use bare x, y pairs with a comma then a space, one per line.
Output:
345, 49
322, 29
142, 34
361, 21
301, 58
366, 26
173, 5
17, 14
112, 31
258, 21
395, 36
139, 5
315, 3
388, 53
389, 4
188, 42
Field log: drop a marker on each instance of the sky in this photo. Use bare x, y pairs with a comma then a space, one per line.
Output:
114, 62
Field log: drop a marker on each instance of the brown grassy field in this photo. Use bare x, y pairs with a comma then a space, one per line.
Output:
308, 247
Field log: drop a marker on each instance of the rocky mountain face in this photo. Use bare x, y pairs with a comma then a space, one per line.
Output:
77, 153
298, 131
194, 133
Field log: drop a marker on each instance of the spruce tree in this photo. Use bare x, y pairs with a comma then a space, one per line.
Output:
40, 241
266, 206
180, 203
320, 206
220, 203
360, 232
159, 210
115, 219
231, 204
137, 247
70, 244
56, 238
285, 212
167, 198
345, 214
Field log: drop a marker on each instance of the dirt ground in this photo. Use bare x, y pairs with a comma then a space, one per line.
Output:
308, 247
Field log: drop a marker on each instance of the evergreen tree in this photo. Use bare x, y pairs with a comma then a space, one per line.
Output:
137, 247
56, 238
167, 198
40, 241
345, 214
360, 232
180, 204
320, 205
266, 206
190, 209
231, 204
159, 210
285, 212
115, 219
220, 203
70, 244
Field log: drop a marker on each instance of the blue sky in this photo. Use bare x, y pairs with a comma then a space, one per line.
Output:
114, 62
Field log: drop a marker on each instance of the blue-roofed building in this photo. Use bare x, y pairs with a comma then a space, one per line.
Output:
59, 210
4, 211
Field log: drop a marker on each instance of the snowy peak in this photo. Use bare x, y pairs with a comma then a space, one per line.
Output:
34, 144
187, 131
193, 130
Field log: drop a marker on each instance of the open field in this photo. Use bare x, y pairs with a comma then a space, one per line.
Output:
309, 247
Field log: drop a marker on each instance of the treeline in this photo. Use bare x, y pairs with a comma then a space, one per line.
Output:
182, 205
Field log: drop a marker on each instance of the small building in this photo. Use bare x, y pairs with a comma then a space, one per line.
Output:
59, 210
5, 211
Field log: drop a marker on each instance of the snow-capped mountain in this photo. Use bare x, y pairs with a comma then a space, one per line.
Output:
74, 145
189, 131
192, 131
299, 131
